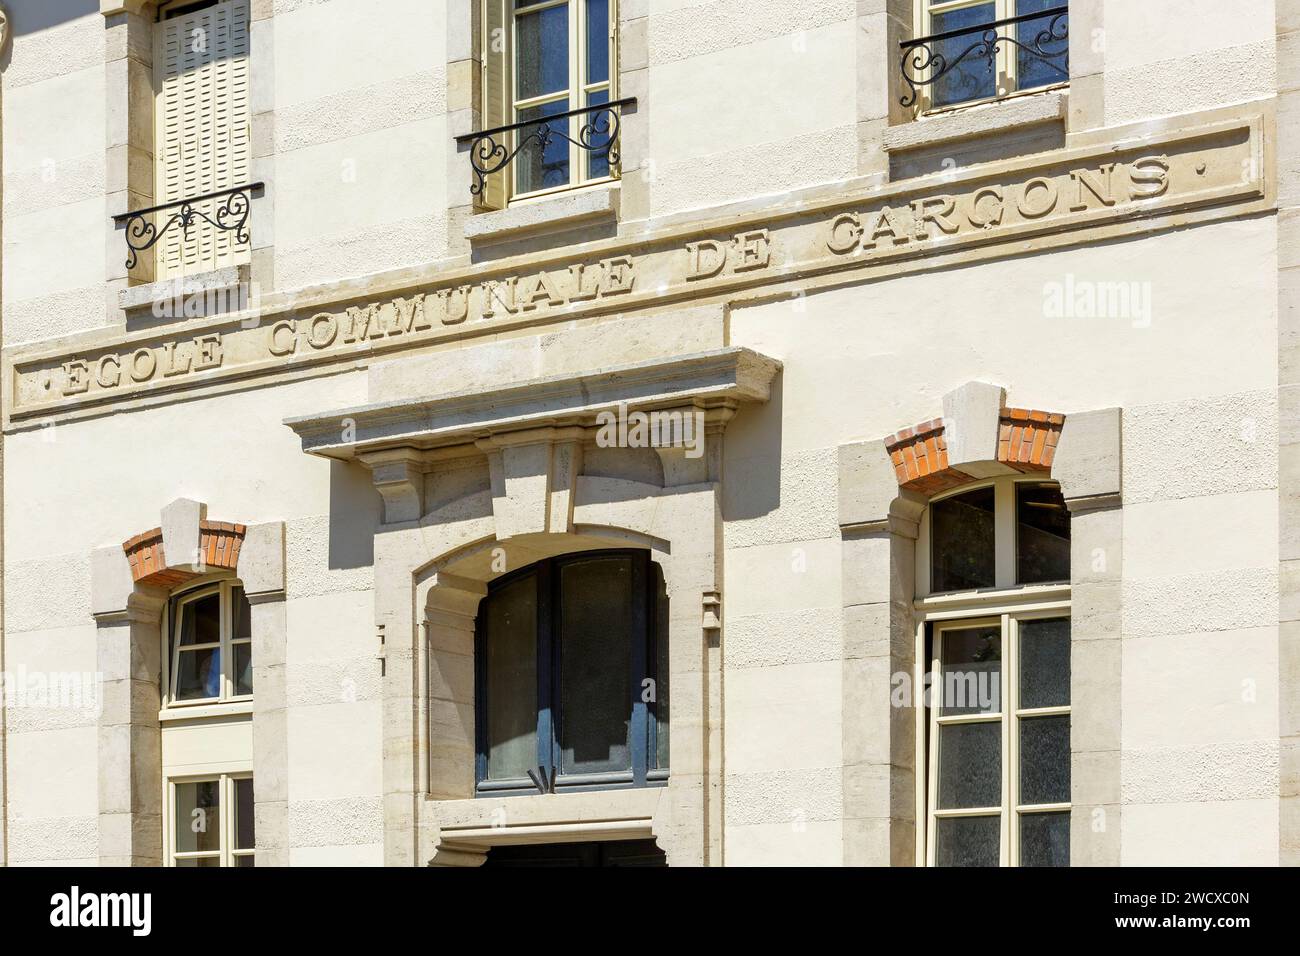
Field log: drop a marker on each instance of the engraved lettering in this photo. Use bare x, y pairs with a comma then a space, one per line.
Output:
142, 371
921, 214
618, 276
1100, 186
846, 232
209, 351
753, 249
1032, 210
1150, 177
986, 218
170, 362
706, 258
321, 330
101, 370
76, 377
282, 345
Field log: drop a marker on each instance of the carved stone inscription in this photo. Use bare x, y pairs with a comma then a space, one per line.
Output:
1058, 194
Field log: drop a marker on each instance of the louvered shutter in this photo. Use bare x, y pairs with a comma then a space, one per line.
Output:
202, 140
496, 84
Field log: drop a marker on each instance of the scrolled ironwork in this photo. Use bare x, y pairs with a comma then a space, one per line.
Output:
923, 63
230, 216
490, 153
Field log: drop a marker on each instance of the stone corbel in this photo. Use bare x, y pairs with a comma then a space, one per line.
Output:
398, 475
533, 474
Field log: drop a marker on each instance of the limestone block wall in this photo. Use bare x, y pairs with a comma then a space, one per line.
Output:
747, 101
359, 136
1198, 723
233, 453
54, 171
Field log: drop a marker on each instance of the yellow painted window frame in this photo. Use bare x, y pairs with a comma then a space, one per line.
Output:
1006, 605
227, 854
1007, 85
576, 93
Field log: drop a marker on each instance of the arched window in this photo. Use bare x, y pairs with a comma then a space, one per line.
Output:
993, 569
571, 685
209, 645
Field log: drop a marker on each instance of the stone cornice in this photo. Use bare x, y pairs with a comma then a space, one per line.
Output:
1128, 181
721, 378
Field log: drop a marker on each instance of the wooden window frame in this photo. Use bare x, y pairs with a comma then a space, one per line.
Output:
225, 588
643, 731
1006, 606
227, 853
576, 93
1006, 83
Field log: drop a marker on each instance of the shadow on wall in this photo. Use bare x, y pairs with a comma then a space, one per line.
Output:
355, 510
751, 468
32, 16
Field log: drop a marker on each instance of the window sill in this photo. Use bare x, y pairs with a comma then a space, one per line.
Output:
238, 708
1023, 595
204, 293
553, 213
981, 119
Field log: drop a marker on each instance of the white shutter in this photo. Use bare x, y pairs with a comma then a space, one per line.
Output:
203, 130
495, 51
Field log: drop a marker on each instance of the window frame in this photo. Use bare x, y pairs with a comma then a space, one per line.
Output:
1006, 81
227, 853
643, 726
576, 93
1005, 605
224, 588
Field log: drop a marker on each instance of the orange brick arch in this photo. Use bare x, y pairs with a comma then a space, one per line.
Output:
1027, 439
219, 542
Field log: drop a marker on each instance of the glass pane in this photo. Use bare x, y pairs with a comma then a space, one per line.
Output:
1045, 839
201, 621
243, 614
597, 41
542, 52
970, 765
970, 671
209, 861
539, 166
198, 674
512, 679
1045, 663
975, 77
599, 135
967, 841
245, 861
244, 831
661, 668
961, 542
1045, 759
198, 816
1042, 534
1047, 38
243, 658
596, 624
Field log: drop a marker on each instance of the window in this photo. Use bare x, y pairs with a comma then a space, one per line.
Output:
210, 645
202, 132
993, 568
545, 58
212, 821
1028, 53
571, 676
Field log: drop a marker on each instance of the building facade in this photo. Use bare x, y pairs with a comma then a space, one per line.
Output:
468, 432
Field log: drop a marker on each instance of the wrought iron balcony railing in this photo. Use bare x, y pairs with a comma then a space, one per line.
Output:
1040, 41
229, 216
490, 149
